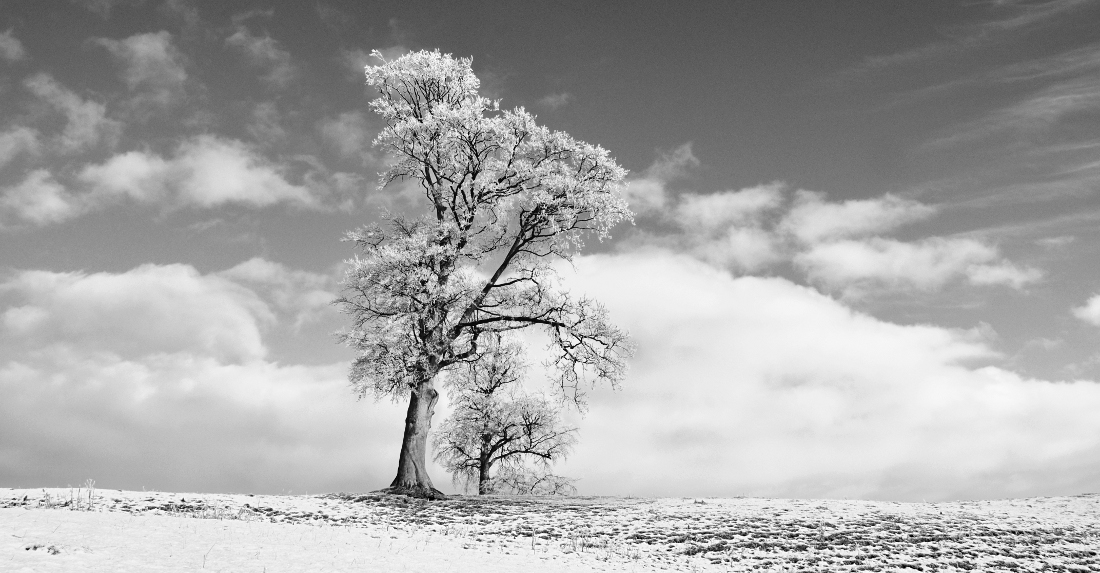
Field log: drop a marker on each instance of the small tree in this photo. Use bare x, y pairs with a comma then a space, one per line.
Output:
495, 424
505, 197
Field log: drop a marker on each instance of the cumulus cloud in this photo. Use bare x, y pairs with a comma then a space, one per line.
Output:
159, 377
39, 199
17, 141
205, 171
87, 123
813, 219
1090, 311
265, 53
647, 194
11, 49
348, 133
266, 125
150, 309
104, 7
153, 68
305, 296
763, 387
555, 101
837, 244
925, 264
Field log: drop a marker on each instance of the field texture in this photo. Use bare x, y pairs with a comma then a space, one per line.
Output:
61, 530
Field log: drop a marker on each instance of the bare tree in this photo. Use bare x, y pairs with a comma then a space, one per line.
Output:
505, 198
495, 424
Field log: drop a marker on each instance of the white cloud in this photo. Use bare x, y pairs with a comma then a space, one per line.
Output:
647, 194
812, 219
104, 7
11, 49
721, 211
1090, 311
87, 122
16, 141
303, 295
763, 387
1003, 273
265, 53
555, 101
148, 310
153, 68
349, 134
925, 264
727, 228
836, 244
205, 171
266, 125
38, 199
1055, 242
159, 377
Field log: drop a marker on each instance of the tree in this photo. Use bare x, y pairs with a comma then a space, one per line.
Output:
495, 424
505, 197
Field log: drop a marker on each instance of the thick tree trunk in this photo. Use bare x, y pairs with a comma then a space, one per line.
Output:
412, 474
483, 476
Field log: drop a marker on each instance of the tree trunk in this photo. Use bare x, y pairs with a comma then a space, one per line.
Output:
412, 474
483, 476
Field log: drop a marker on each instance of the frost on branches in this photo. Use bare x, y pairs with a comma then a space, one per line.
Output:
505, 198
496, 425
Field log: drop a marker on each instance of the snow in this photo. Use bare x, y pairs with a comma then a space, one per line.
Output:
56, 530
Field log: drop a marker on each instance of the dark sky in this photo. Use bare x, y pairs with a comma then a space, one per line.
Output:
863, 262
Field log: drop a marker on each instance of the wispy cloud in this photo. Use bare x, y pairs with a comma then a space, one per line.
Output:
104, 7
205, 171
1006, 19
556, 101
840, 246
152, 68
87, 123
11, 49
38, 199
264, 53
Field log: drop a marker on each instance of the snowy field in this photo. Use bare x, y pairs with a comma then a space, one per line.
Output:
124, 531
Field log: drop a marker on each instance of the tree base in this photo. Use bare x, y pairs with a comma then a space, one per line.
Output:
418, 491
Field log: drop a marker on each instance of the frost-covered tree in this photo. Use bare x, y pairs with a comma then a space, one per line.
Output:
505, 198
495, 425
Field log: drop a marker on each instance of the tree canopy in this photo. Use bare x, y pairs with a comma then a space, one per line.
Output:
505, 198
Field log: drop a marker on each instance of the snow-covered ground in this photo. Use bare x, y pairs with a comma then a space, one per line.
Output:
122, 531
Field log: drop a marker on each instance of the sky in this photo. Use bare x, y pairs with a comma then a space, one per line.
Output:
862, 263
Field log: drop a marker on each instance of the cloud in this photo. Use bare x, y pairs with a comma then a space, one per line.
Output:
838, 245
265, 53
153, 68
349, 134
1055, 242
17, 141
812, 219
104, 7
148, 310
554, 102
305, 296
158, 377
1004, 21
927, 264
1090, 311
87, 123
356, 59
266, 124
766, 388
728, 228
205, 171
39, 199
647, 194
11, 49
